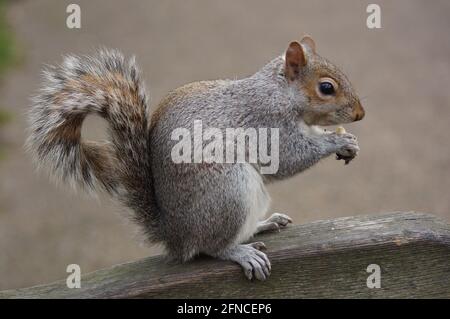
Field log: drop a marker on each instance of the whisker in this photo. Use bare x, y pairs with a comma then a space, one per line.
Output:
363, 98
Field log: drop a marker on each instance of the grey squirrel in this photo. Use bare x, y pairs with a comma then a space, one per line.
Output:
192, 209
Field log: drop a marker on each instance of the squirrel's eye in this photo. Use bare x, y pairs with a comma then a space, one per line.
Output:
326, 88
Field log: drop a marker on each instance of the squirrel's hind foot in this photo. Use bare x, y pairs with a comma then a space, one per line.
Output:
254, 262
274, 223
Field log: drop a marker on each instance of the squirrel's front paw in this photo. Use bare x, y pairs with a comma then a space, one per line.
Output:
345, 146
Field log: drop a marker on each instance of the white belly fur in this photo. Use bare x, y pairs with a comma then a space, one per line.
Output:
258, 201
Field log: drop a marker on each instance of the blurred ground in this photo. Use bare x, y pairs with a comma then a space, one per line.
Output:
402, 72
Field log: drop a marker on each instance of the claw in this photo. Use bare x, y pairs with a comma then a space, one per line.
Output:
258, 245
347, 159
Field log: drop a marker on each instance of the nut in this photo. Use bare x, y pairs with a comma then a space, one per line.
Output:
340, 130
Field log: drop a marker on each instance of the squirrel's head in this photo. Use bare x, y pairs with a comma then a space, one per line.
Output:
330, 96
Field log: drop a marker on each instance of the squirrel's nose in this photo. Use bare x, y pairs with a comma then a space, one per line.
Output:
358, 112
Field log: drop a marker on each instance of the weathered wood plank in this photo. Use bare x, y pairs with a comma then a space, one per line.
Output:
321, 259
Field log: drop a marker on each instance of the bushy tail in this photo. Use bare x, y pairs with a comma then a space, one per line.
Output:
110, 86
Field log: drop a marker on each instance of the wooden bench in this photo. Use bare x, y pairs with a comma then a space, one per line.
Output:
322, 259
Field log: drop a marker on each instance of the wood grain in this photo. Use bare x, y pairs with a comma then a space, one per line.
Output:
323, 259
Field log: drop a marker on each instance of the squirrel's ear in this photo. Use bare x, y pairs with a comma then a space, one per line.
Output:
295, 60
309, 42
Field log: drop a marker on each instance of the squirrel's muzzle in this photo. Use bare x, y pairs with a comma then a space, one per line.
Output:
358, 112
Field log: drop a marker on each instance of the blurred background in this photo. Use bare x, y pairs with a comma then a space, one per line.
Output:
401, 71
